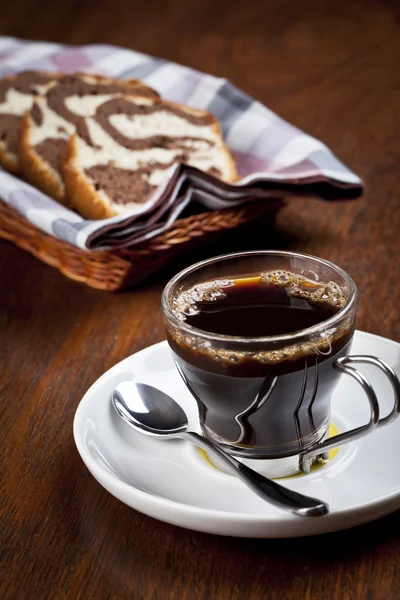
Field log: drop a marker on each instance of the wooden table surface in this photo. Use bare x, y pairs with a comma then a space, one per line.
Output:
331, 68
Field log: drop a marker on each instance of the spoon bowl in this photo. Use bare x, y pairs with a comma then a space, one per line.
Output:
149, 409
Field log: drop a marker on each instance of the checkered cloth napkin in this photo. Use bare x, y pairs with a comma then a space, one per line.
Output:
273, 158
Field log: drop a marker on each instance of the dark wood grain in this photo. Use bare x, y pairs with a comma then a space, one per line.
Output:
332, 68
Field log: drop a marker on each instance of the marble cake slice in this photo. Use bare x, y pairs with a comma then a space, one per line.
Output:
123, 152
17, 95
54, 117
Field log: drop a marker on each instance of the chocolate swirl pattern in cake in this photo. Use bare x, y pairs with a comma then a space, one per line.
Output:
124, 151
17, 95
54, 118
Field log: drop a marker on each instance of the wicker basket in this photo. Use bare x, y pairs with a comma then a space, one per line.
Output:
118, 269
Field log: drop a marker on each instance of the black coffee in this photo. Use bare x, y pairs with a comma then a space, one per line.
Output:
263, 399
250, 308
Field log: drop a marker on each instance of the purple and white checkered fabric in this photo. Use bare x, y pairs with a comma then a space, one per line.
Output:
273, 157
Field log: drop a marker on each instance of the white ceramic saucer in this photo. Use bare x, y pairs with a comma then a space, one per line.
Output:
171, 480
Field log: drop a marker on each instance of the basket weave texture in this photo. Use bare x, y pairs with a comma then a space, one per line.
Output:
118, 269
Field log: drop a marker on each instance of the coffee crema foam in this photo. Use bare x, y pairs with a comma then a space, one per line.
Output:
186, 304
299, 286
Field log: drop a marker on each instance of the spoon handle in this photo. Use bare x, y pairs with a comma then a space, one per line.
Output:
267, 489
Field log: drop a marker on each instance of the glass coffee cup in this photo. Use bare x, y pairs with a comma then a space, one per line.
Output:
261, 340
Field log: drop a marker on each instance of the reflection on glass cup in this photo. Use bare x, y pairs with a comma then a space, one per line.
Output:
267, 396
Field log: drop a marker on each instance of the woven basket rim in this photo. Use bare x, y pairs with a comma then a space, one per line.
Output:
205, 220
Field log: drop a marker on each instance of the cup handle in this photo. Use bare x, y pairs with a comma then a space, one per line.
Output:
342, 364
